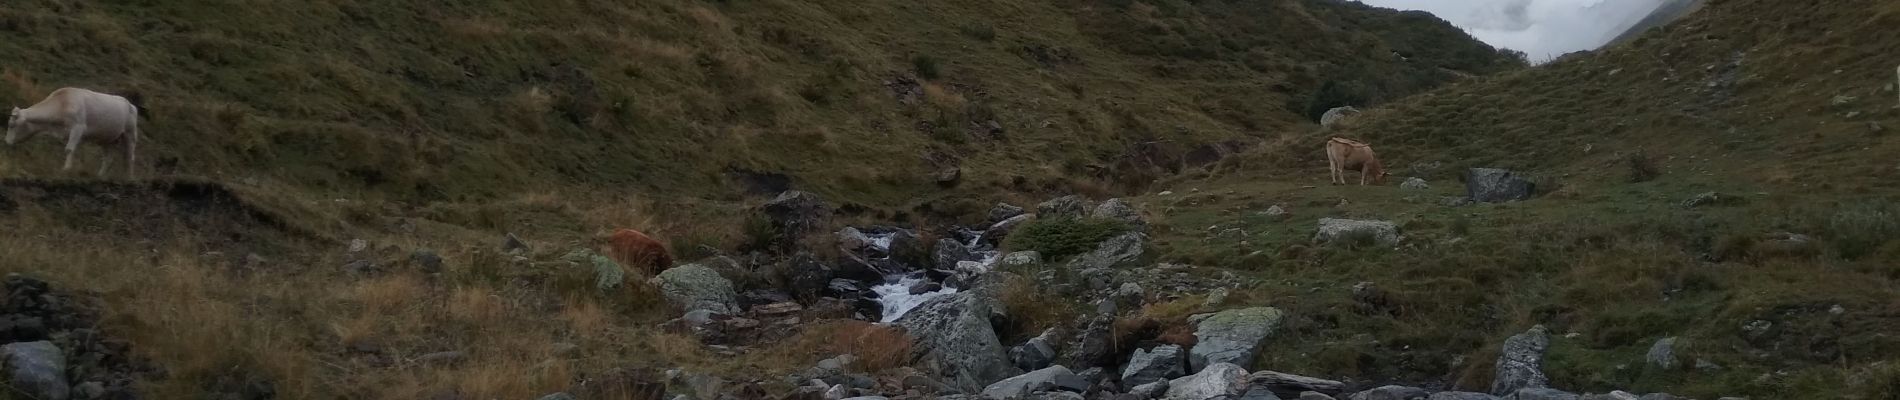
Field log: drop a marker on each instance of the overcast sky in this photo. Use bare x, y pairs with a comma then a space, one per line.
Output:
1541, 29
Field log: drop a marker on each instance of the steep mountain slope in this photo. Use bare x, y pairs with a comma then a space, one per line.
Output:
1665, 13
452, 101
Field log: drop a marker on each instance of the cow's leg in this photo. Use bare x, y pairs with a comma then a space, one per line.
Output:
73, 137
132, 152
105, 161
1332, 166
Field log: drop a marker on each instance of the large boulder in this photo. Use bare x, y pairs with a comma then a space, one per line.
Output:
1162, 363
1392, 392
1291, 386
1334, 116
1020, 386
1461, 396
1492, 185
1036, 353
37, 369
1115, 251
1093, 344
1232, 336
1542, 394
809, 277
1119, 210
1383, 233
696, 287
1662, 355
1070, 206
999, 231
795, 214
1218, 381
1521, 362
1003, 211
1612, 395
955, 339
949, 252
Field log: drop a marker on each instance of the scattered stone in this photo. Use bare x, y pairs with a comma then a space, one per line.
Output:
1232, 336
1384, 233
1706, 366
1215, 381
427, 260
514, 245
1662, 355
358, 245
1119, 210
1003, 211
1022, 259
1540, 393
695, 287
1520, 363
1036, 353
795, 214
1709, 199
1415, 184
37, 369
1113, 252
1491, 185
1035, 381
1128, 297
1612, 395
837, 392
1289, 385
948, 175
1159, 364
1092, 345
949, 252
1392, 392
1215, 298
1275, 212
1256, 393
1071, 206
1661, 396
1314, 396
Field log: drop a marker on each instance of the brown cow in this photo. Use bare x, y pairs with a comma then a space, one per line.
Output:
637, 251
1346, 154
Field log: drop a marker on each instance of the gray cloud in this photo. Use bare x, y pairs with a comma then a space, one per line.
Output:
1540, 28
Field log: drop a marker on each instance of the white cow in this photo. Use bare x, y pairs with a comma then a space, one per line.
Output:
79, 115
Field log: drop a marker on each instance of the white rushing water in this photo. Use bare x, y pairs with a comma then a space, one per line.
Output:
897, 299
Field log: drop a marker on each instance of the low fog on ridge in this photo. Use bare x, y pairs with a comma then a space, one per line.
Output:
1542, 29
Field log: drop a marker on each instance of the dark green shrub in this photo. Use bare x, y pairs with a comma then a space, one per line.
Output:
1861, 230
1061, 238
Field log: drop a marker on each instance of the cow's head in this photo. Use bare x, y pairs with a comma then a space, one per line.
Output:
15, 126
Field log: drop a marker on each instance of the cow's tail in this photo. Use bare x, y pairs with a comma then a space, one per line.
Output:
138, 103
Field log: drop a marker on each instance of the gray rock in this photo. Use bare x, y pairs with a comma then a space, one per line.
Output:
809, 277
1257, 393
999, 231
511, 244
1003, 211
1070, 206
949, 252
1275, 212
1462, 396
1520, 363
1290, 385
837, 392
1613, 395
559, 396
427, 260
1314, 396
1150, 390
1492, 185
854, 381
1037, 352
1022, 259
1663, 354
1119, 210
1661, 396
1334, 116
697, 287
1056, 396
1093, 345
1215, 298
1035, 381
852, 239
955, 339
89, 390
37, 369
1129, 296
1392, 392
1093, 376
1415, 184
1232, 336
1115, 251
1384, 233
1709, 199
1540, 393
1215, 381
1162, 363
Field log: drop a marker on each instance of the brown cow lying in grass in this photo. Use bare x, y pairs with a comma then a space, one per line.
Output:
638, 252
1346, 154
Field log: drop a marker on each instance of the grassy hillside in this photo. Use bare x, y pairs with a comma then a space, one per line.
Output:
472, 100
1785, 109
